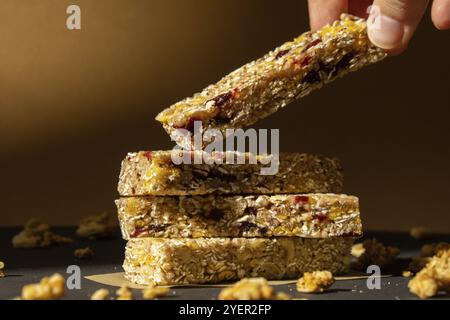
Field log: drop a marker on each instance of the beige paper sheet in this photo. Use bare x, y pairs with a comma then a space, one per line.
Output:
117, 279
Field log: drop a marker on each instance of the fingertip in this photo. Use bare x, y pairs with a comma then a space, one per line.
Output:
440, 14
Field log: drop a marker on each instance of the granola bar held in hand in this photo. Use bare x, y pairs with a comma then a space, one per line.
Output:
306, 215
289, 72
162, 261
154, 173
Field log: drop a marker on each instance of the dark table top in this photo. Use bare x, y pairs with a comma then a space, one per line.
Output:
24, 266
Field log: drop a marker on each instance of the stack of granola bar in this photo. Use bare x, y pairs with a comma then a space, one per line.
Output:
212, 221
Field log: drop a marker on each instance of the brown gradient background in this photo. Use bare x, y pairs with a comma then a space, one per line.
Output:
72, 103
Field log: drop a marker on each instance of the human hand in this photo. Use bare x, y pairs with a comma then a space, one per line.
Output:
391, 23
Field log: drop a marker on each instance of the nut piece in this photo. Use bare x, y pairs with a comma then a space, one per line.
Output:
358, 250
153, 292
2, 266
96, 227
37, 234
84, 253
315, 282
407, 274
124, 293
433, 278
50, 288
375, 253
100, 294
251, 289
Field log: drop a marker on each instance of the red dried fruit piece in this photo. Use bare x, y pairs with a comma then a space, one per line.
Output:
301, 200
148, 155
221, 99
139, 232
282, 53
190, 126
321, 217
312, 44
133, 190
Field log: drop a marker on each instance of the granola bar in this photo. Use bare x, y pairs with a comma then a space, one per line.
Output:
306, 215
161, 261
154, 173
285, 74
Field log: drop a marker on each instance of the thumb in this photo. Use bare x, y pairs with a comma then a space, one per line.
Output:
392, 23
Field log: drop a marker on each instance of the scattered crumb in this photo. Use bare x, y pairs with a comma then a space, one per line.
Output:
358, 250
50, 288
37, 234
124, 293
153, 292
375, 253
2, 266
315, 282
100, 294
407, 274
251, 289
419, 233
434, 277
84, 253
96, 227
431, 249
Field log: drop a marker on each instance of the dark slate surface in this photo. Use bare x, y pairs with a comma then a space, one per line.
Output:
28, 266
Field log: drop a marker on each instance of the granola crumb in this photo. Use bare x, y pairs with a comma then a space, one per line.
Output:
407, 274
434, 277
153, 292
375, 253
124, 293
315, 282
100, 294
419, 233
37, 234
49, 288
358, 250
96, 227
84, 253
431, 249
2, 266
251, 289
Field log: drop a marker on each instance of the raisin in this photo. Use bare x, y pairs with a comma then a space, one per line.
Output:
321, 217
148, 155
301, 200
247, 226
282, 53
263, 230
216, 214
312, 77
250, 210
312, 44
190, 126
139, 232
220, 100
133, 191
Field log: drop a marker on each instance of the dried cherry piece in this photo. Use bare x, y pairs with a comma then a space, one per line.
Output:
190, 125
139, 232
282, 53
301, 200
312, 44
221, 99
321, 217
148, 155
157, 227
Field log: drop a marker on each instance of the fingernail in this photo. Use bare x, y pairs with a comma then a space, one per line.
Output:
384, 31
